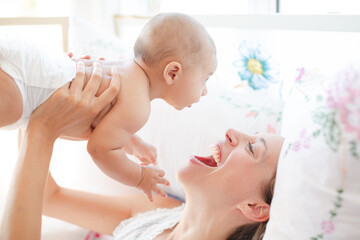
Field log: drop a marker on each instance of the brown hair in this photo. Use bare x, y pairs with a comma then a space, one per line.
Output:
255, 231
172, 35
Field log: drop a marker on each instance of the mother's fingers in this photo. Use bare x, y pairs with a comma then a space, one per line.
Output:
110, 93
78, 83
92, 86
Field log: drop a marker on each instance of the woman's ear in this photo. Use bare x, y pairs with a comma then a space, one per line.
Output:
256, 211
172, 71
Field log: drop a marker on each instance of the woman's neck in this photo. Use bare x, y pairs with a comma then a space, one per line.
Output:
203, 222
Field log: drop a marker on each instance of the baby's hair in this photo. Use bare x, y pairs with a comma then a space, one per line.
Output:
173, 37
255, 231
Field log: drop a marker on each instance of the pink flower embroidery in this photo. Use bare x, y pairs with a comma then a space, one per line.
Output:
344, 95
252, 114
296, 146
327, 226
270, 129
301, 74
303, 141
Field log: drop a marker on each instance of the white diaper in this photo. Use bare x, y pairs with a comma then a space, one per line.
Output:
37, 73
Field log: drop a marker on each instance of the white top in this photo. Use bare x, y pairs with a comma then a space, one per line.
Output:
148, 225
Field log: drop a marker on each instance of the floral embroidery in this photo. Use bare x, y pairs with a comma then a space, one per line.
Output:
252, 113
270, 129
329, 127
254, 67
298, 79
303, 141
344, 95
327, 226
354, 149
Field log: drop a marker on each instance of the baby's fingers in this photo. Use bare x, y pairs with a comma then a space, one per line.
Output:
160, 192
163, 181
145, 160
161, 172
149, 196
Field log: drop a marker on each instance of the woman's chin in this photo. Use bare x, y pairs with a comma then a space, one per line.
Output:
188, 173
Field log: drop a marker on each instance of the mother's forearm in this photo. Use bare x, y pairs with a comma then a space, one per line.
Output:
22, 215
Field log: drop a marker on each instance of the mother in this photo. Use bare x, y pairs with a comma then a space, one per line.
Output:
227, 200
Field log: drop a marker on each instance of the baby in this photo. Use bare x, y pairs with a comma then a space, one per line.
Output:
174, 57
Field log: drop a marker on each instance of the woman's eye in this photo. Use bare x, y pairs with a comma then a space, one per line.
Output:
251, 148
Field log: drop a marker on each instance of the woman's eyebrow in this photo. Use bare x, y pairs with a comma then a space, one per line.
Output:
264, 142
265, 145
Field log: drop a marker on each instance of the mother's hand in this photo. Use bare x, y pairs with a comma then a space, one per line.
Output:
72, 108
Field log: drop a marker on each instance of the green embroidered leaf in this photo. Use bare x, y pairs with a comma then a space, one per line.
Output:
287, 150
332, 213
319, 98
319, 115
279, 117
331, 133
353, 149
340, 190
330, 129
316, 133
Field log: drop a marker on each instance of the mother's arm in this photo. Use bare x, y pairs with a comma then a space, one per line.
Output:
68, 109
97, 212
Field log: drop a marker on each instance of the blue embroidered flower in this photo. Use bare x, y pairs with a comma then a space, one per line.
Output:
254, 67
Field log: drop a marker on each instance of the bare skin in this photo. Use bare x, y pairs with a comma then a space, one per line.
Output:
10, 100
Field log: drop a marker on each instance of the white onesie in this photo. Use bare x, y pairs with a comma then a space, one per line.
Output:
37, 73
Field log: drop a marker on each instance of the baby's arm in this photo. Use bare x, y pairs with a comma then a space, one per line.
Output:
106, 143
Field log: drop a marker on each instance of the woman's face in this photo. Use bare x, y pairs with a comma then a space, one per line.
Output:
237, 169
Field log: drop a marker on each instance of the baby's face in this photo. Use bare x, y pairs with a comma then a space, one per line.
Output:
192, 83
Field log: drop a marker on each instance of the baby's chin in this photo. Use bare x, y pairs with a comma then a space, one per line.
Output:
182, 107
178, 108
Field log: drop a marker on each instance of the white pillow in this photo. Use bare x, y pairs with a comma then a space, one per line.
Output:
86, 38
317, 190
180, 134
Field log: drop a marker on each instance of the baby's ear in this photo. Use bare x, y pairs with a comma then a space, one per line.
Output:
255, 211
172, 72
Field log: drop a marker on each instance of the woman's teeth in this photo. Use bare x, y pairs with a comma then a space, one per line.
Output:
215, 152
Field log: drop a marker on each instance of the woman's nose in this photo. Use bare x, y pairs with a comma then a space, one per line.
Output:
231, 137
235, 137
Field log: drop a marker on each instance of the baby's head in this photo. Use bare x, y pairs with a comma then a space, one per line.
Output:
177, 50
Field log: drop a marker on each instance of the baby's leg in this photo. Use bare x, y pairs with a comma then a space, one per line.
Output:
11, 106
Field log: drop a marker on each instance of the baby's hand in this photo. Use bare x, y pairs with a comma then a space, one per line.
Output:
145, 152
150, 178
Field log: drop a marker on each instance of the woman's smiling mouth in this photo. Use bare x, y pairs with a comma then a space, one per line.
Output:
213, 160
208, 161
